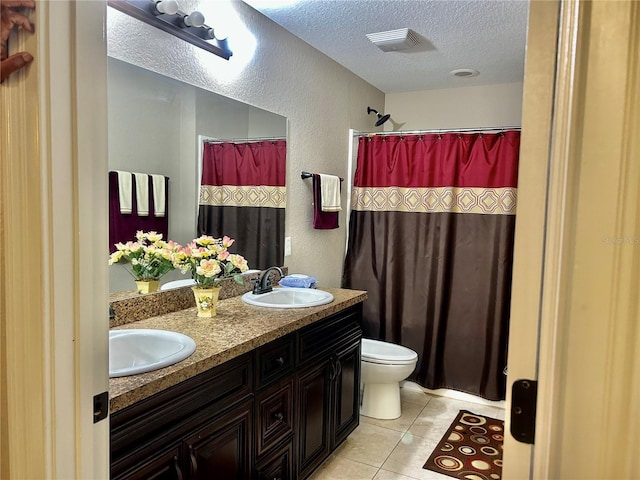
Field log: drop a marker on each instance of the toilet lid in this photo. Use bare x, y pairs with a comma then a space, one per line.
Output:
384, 352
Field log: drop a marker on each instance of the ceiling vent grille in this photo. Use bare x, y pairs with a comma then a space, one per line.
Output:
394, 40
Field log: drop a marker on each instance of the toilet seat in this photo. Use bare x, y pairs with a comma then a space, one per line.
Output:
385, 353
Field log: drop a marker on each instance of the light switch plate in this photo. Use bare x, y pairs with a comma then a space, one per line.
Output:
287, 246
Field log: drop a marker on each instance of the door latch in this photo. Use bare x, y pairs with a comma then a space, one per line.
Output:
100, 406
523, 410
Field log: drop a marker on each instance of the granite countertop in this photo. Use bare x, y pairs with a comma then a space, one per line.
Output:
238, 328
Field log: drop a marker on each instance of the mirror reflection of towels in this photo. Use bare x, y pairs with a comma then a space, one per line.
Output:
321, 220
142, 194
124, 191
158, 195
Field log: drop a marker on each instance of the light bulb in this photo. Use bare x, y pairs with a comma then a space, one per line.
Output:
194, 19
170, 7
220, 33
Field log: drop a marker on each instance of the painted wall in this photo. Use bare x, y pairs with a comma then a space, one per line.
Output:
274, 70
465, 107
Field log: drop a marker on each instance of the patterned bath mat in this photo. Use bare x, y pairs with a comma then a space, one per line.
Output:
471, 449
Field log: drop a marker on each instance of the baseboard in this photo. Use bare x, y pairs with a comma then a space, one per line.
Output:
453, 394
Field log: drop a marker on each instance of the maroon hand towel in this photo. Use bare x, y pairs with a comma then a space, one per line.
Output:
321, 220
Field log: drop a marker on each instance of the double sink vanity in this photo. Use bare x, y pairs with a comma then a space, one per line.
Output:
268, 393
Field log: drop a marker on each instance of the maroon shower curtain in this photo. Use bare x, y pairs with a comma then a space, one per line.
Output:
431, 240
242, 195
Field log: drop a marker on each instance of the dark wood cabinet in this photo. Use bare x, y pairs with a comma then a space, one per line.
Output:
165, 466
222, 449
346, 392
314, 407
328, 390
273, 413
278, 465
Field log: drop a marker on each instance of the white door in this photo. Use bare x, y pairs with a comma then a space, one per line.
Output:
575, 307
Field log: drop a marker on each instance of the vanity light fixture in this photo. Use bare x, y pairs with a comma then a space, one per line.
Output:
167, 16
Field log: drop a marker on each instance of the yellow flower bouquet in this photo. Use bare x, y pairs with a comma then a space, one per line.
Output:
210, 262
150, 257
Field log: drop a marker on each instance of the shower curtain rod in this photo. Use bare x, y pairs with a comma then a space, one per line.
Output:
440, 130
253, 139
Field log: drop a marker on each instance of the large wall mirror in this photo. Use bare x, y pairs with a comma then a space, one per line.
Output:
158, 125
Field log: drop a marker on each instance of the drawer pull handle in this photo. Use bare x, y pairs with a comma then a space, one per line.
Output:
193, 461
278, 416
280, 361
176, 466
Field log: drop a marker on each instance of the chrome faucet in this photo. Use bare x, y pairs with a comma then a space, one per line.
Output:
263, 283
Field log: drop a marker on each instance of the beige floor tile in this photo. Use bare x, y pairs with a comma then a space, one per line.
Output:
410, 455
369, 444
337, 467
410, 412
386, 475
436, 417
413, 395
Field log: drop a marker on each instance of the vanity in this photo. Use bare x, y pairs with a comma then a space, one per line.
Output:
267, 394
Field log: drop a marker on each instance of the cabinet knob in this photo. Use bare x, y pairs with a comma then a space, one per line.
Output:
278, 416
280, 361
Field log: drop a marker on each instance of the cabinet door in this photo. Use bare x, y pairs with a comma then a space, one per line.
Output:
277, 465
165, 466
314, 395
346, 393
222, 449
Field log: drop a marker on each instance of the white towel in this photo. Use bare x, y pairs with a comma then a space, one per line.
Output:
124, 191
330, 193
158, 195
142, 194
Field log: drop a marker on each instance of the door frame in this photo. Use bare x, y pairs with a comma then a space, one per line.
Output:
53, 222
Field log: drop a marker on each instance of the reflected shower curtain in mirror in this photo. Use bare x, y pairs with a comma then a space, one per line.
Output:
242, 195
431, 240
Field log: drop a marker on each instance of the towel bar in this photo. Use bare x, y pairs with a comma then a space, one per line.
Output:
305, 175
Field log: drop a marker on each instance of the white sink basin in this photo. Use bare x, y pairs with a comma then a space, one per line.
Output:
289, 298
139, 351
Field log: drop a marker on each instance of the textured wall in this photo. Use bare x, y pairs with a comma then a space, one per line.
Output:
321, 100
485, 106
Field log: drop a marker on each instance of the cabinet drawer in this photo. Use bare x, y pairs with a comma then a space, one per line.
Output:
278, 465
150, 465
274, 415
274, 361
319, 339
165, 414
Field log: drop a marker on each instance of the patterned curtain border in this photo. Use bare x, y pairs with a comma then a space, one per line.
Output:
477, 200
243, 196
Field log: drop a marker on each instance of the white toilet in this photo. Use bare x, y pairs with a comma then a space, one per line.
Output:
384, 366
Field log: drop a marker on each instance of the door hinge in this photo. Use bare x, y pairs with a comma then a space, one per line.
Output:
523, 410
100, 406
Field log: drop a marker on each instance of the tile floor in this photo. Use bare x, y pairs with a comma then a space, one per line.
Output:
397, 449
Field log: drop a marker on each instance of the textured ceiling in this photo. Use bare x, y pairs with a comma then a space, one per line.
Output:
484, 35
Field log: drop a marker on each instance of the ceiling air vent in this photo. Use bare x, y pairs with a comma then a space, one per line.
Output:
394, 40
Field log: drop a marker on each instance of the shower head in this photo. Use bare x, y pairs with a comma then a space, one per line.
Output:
381, 118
